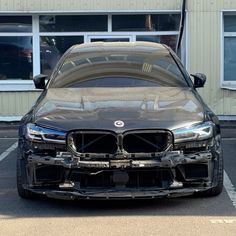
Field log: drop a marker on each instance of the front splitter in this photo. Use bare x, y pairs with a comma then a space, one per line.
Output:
118, 194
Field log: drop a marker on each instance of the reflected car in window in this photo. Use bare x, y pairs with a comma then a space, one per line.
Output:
16, 59
17, 53
119, 120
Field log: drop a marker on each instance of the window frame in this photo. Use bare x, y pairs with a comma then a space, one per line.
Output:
28, 85
230, 85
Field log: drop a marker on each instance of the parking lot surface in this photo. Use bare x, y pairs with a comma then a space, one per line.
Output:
177, 216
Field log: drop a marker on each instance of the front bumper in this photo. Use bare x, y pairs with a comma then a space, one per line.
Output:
178, 182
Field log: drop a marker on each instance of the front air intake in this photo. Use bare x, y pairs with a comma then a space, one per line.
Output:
146, 141
109, 144
92, 142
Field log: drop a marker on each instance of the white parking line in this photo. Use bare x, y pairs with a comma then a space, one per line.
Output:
230, 189
8, 151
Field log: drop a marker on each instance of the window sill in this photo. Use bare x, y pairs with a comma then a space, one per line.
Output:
10, 118
229, 85
17, 85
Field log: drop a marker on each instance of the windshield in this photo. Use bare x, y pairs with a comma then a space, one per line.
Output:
118, 69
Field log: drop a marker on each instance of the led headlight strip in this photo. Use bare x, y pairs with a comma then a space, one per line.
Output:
35, 132
194, 133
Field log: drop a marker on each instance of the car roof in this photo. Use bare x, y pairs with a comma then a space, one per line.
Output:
116, 46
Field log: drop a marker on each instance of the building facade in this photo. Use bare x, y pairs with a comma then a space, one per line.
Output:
34, 34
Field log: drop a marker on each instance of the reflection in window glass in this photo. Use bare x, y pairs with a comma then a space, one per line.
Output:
230, 23
53, 47
15, 24
16, 57
149, 22
115, 82
73, 23
99, 67
230, 59
169, 40
110, 39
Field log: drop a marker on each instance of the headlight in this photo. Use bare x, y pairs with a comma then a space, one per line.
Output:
194, 133
35, 132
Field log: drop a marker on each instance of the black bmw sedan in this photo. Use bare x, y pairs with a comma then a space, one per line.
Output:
119, 121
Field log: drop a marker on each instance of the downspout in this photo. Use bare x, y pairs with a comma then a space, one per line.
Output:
181, 28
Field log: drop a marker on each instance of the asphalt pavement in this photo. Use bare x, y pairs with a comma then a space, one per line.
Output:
177, 216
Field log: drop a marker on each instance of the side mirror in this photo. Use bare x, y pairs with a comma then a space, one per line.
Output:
199, 80
39, 81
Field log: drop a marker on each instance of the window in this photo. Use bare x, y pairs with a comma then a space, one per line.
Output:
148, 22
16, 55
15, 24
73, 23
52, 48
33, 44
158, 28
169, 40
60, 32
229, 71
230, 23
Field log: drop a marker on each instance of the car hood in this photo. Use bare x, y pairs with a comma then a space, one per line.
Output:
98, 108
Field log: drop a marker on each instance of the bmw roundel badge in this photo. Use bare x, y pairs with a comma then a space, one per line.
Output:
119, 123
